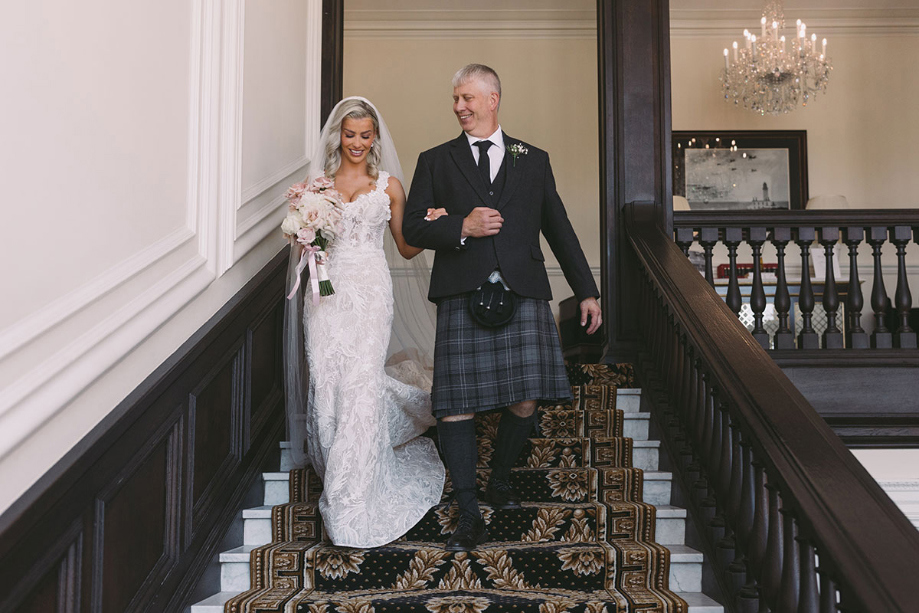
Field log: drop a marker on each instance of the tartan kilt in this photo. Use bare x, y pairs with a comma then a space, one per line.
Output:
479, 369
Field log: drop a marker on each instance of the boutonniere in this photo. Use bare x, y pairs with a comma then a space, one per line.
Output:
516, 149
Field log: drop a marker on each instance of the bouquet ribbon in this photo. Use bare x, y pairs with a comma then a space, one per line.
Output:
308, 256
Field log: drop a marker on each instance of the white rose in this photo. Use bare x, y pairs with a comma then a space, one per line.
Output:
291, 224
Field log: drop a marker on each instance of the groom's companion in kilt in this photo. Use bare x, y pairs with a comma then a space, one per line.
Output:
497, 345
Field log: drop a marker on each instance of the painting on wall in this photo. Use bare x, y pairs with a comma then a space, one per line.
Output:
750, 170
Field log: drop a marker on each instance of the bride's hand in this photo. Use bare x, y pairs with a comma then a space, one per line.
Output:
434, 214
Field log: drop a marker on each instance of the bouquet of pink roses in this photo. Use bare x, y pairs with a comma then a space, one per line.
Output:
312, 220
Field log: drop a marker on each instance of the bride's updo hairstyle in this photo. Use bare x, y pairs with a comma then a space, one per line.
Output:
354, 109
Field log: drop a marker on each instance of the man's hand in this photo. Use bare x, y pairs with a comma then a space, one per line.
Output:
590, 307
482, 221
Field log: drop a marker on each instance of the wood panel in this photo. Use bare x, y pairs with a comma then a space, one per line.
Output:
136, 521
155, 486
265, 360
215, 409
633, 44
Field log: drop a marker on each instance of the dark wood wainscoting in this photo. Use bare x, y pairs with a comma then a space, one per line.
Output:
870, 397
128, 519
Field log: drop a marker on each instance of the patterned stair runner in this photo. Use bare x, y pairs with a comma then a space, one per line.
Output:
583, 541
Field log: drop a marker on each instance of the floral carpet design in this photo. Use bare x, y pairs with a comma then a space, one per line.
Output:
582, 543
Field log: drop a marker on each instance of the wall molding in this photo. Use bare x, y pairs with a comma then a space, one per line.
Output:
231, 112
238, 234
30, 401
560, 23
693, 23
58, 311
259, 188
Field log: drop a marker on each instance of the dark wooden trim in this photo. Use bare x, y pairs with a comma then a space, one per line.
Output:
333, 24
633, 46
864, 537
839, 219
59, 526
845, 358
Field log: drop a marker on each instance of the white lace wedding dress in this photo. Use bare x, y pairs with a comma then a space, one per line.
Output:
379, 477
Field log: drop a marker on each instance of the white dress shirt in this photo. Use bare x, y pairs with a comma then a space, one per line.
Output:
495, 152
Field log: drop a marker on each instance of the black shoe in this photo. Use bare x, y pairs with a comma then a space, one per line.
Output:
501, 495
469, 533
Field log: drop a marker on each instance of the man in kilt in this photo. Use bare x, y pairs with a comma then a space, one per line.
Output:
499, 194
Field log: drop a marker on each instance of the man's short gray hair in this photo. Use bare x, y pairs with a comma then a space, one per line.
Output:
481, 72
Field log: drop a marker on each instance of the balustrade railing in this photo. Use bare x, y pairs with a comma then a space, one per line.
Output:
795, 522
841, 317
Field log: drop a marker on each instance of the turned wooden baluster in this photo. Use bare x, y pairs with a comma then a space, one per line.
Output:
828, 595
809, 600
725, 465
881, 338
905, 336
772, 566
756, 238
807, 339
856, 337
747, 590
684, 238
708, 424
785, 336
708, 238
791, 563
732, 238
759, 537
756, 543
832, 336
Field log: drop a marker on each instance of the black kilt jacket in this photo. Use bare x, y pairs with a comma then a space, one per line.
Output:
446, 176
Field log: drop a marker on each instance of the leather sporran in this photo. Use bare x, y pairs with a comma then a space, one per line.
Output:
492, 305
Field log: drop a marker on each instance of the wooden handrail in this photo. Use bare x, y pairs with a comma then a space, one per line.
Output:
787, 218
869, 542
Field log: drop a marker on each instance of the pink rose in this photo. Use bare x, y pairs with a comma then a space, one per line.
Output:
306, 236
295, 192
322, 183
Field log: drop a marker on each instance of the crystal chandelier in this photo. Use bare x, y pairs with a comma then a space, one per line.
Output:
770, 75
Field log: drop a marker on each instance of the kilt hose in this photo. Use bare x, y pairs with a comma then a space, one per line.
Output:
479, 369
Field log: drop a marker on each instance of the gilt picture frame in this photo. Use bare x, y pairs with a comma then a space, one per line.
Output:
740, 170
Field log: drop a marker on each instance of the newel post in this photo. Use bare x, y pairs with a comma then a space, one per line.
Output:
633, 45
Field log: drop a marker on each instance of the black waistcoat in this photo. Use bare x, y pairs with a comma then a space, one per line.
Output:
497, 186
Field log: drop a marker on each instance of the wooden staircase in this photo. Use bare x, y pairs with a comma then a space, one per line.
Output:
598, 502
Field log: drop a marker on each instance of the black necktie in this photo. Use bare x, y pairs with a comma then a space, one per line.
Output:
484, 167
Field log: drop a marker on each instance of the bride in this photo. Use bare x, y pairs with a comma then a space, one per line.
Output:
360, 425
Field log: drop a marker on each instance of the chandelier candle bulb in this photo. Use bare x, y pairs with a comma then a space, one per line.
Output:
727, 66
763, 24
735, 50
783, 44
753, 39
823, 51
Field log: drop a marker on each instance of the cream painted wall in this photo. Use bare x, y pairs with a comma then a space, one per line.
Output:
861, 135
549, 100
146, 148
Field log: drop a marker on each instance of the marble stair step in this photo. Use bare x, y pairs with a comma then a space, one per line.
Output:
645, 455
573, 566
628, 400
670, 523
685, 563
698, 603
